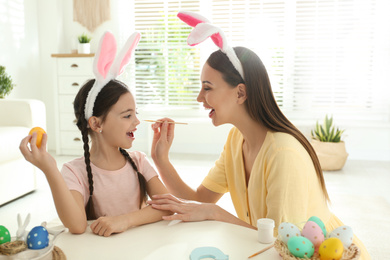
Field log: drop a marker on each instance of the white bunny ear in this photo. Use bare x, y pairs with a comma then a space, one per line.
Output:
124, 56
19, 220
106, 67
27, 221
104, 56
192, 19
204, 30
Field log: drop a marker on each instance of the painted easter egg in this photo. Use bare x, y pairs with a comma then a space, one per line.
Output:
300, 247
40, 133
287, 230
314, 233
319, 223
331, 249
38, 238
4, 235
344, 233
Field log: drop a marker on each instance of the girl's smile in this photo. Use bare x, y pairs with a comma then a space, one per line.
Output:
131, 134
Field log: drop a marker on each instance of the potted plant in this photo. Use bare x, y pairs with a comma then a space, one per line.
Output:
330, 149
84, 44
5, 83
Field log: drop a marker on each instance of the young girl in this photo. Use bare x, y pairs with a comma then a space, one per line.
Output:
267, 165
108, 185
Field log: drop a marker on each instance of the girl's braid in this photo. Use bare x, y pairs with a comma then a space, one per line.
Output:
141, 178
89, 208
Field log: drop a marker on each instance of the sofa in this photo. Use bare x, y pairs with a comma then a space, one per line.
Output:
17, 117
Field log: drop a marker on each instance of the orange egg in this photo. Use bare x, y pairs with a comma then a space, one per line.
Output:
40, 133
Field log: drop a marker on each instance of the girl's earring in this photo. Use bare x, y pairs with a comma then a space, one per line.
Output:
100, 131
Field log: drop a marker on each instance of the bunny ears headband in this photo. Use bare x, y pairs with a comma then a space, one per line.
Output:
204, 29
106, 67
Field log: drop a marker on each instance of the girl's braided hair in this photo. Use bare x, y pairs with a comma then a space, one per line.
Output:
106, 98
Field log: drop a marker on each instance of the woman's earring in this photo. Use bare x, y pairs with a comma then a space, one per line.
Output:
100, 131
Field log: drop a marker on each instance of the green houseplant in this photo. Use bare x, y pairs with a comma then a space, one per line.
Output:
84, 46
6, 84
330, 149
84, 38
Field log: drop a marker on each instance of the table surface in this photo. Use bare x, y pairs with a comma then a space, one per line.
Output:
159, 241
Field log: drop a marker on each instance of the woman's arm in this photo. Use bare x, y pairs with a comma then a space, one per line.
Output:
69, 204
193, 211
185, 210
162, 141
105, 226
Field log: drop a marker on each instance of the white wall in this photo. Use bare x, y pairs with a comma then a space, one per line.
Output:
58, 34
19, 47
32, 30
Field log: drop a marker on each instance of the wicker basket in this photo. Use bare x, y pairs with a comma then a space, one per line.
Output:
11, 248
57, 254
352, 253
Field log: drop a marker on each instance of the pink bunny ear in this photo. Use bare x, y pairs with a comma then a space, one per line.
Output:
124, 56
192, 19
104, 56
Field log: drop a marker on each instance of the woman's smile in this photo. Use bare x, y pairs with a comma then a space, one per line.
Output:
212, 112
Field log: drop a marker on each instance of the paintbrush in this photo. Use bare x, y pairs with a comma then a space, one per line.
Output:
154, 121
261, 251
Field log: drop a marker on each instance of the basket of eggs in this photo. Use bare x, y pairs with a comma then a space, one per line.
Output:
313, 242
33, 245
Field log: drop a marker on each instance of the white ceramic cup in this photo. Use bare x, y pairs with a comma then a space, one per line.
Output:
265, 230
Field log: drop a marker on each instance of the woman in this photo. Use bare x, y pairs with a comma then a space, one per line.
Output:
267, 165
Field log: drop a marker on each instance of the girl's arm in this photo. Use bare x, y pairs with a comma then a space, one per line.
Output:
105, 226
162, 141
69, 204
194, 211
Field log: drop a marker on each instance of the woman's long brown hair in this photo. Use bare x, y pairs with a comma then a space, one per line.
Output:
106, 98
260, 103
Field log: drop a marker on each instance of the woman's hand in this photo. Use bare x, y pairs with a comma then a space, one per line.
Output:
163, 134
37, 156
185, 210
106, 226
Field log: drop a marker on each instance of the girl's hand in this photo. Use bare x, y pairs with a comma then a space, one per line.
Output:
185, 210
106, 226
37, 156
163, 134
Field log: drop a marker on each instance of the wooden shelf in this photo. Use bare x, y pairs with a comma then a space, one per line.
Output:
71, 55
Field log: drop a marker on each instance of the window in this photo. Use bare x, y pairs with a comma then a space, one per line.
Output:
323, 56
167, 69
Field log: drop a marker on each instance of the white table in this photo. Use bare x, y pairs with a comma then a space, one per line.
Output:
158, 241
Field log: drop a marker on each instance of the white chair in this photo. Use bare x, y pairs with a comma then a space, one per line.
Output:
17, 117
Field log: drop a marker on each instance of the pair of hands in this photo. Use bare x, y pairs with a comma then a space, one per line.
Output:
184, 210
